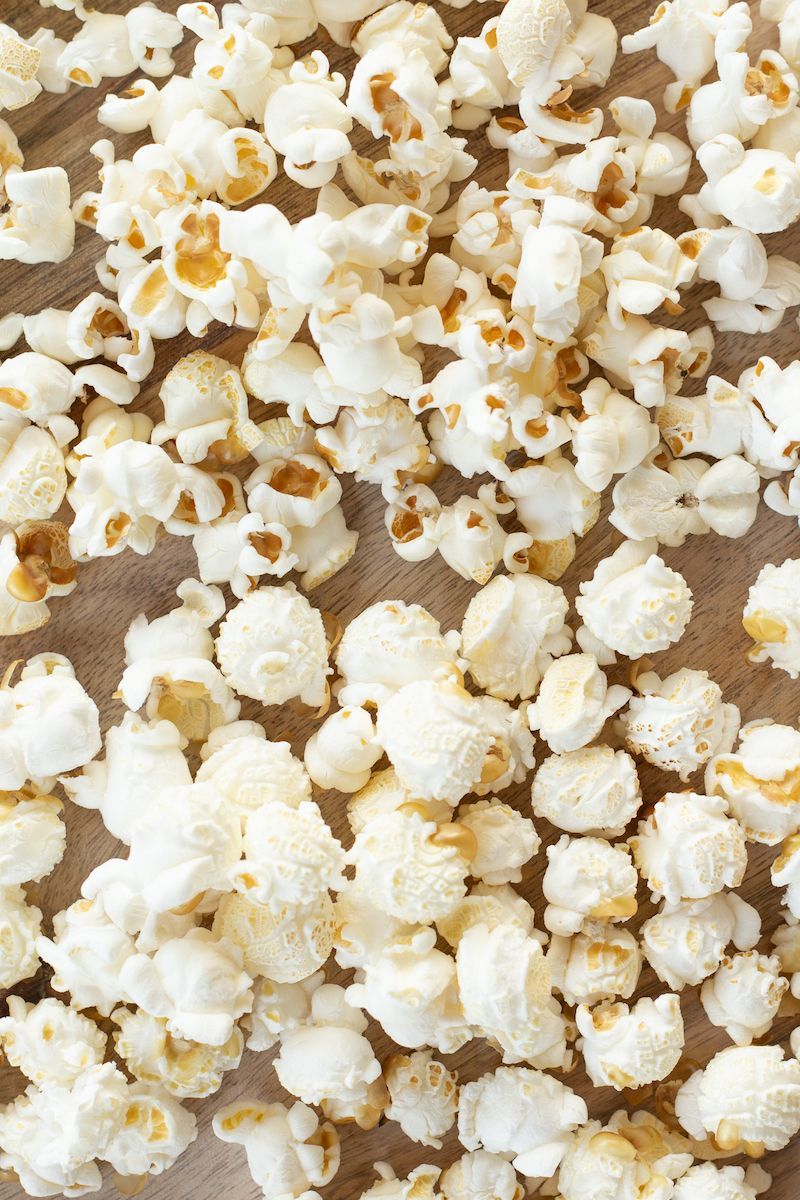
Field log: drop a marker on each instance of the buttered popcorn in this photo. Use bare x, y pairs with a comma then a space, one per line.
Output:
559, 305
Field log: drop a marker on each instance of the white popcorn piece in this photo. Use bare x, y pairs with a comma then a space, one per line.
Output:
410, 988
634, 603
32, 474
769, 617
743, 995
587, 879
602, 962
277, 1008
644, 270
674, 27
479, 1174
362, 929
286, 1148
342, 753
512, 630
186, 842
290, 856
423, 1096
490, 905
592, 790
601, 1160
48, 723
169, 669
35, 567
306, 121
574, 702
286, 946
784, 873
757, 190
626, 1047
330, 1062
251, 771
272, 647
20, 928
689, 848
50, 1042
51, 1136
685, 942
555, 507
505, 989
240, 550
420, 1183
38, 226
96, 327
413, 869
611, 435
705, 1180
671, 499
142, 760
32, 836
505, 840
156, 1129
188, 1070
650, 359
680, 722
746, 1099
205, 412
19, 67
195, 982
40, 390
759, 781
521, 1112
87, 954
768, 432
384, 793
383, 444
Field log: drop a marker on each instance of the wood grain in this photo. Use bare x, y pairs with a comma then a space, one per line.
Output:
89, 625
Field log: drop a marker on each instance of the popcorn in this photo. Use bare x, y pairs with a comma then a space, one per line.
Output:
757, 190
689, 848
38, 225
205, 411
489, 905
478, 1174
669, 500
758, 780
634, 603
600, 963
291, 856
679, 723
412, 868
768, 617
48, 724
195, 982
512, 630
420, 1183
626, 1047
410, 988
87, 955
593, 790
520, 1112
555, 507
142, 760
258, 659
40, 390
50, 1042
610, 435
251, 771
743, 995
151, 1116
32, 836
747, 1099
587, 878
574, 702
278, 1007
20, 927
285, 1148
505, 989
286, 946
685, 942
19, 64
35, 567
342, 753
706, 1180
32, 474
650, 359
362, 930
423, 1096
155, 1056
169, 669
505, 841
329, 1061
784, 873
673, 27
644, 270
306, 121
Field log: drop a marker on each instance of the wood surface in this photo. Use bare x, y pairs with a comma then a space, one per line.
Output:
89, 625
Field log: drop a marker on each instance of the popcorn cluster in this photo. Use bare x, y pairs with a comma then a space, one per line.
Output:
524, 339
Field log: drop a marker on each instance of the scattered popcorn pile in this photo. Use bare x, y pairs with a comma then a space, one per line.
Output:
561, 379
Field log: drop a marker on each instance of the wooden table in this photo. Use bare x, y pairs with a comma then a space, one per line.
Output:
89, 625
